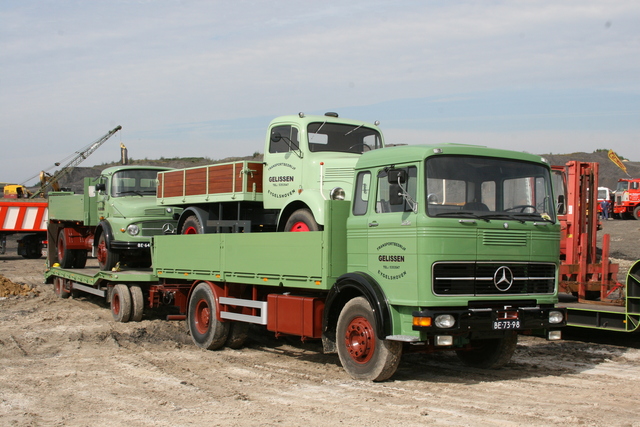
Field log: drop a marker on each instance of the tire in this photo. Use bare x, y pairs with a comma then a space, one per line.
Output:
490, 353
32, 247
65, 256
107, 259
121, 303
363, 355
206, 330
80, 258
301, 220
238, 334
191, 226
636, 212
58, 288
137, 303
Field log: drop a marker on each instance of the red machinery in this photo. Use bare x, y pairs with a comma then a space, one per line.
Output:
582, 272
627, 201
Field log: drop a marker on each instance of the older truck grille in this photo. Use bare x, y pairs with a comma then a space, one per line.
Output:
490, 278
155, 228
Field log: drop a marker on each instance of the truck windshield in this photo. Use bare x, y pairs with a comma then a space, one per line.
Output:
488, 188
134, 182
342, 138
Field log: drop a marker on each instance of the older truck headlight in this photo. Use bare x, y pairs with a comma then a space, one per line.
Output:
555, 317
133, 229
337, 193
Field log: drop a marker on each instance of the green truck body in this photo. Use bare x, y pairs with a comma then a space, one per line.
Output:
441, 247
114, 219
307, 160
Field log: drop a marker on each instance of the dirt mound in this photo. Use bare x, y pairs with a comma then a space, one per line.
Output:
9, 288
609, 172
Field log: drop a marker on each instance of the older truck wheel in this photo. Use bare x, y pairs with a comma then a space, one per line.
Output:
121, 304
107, 259
206, 330
301, 220
490, 353
363, 355
137, 303
191, 226
65, 256
58, 288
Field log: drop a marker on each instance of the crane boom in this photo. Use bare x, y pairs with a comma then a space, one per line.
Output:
49, 181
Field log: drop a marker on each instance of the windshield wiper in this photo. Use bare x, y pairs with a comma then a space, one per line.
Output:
535, 216
462, 213
502, 216
131, 191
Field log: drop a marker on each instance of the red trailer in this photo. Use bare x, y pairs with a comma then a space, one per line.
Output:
28, 217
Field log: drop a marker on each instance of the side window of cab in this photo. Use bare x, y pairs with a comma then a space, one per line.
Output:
284, 139
361, 193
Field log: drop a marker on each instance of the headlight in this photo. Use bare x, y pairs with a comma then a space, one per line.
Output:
445, 321
133, 229
555, 317
169, 210
337, 193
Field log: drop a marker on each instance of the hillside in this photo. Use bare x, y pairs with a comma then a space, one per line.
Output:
609, 172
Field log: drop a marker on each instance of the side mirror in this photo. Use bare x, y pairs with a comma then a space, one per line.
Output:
275, 136
101, 187
397, 176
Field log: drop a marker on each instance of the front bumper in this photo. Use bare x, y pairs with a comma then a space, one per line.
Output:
489, 320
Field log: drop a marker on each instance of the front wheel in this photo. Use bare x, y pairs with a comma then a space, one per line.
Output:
107, 259
301, 220
490, 353
191, 226
636, 212
206, 330
363, 355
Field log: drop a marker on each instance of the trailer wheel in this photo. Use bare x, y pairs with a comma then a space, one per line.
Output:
362, 354
238, 334
137, 303
206, 330
636, 212
490, 353
58, 288
65, 256
301, 220
107, 259
191, 226
121, 303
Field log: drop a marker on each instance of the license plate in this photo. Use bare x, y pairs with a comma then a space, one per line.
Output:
506, 324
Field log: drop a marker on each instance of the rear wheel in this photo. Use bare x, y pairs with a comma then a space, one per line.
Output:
206, 330
191, 226
301, 220
121, 303
490, 353
107, 259
137, 303
238, 334
65, 256
363, 355
58, 288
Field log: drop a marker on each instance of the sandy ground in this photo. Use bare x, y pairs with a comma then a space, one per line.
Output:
67, 363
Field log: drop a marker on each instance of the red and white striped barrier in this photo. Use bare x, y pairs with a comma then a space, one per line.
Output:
23, 216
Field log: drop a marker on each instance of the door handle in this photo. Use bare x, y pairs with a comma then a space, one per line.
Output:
373, 224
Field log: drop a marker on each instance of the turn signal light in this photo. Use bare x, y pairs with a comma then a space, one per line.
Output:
422, 321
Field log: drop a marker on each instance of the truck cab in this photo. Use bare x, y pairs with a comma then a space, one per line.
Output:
627, 199
310, 159
115, 218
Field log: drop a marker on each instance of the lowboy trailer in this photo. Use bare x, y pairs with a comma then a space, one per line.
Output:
447, 247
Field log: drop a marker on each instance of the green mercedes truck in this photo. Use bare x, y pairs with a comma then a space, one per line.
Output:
439, 247
114, 219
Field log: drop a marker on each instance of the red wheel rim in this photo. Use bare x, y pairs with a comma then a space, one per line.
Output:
299, 226
202, 316
190, 230
60, 249
360, 340
58, 286
115, 303
102, 252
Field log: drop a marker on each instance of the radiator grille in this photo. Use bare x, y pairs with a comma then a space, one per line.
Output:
471, 278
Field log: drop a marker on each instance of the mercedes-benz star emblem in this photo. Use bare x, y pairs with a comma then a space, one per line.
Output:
168, 228
503, 278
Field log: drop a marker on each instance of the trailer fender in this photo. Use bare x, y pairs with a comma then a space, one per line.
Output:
347, 287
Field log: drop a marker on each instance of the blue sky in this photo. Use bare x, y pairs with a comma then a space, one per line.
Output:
204, 78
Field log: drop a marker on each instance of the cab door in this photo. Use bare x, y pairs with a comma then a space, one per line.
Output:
391, 235
283, 166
